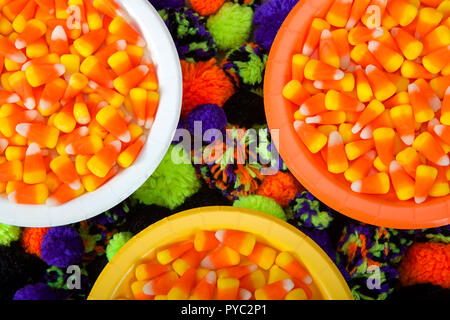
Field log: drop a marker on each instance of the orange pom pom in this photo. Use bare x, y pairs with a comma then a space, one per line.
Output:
206, 7
282, 187
32, 239
203, 83
426, 263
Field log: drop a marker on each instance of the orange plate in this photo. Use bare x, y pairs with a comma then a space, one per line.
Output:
310, 169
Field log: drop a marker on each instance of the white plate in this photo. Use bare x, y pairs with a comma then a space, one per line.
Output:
165, 57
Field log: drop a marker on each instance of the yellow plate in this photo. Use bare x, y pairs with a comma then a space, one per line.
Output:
115, 280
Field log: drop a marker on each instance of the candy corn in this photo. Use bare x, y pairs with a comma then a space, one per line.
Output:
427, 19
311, 137
190, 259
275, 291
298, 66
221, 258
168, 255
181, 289
334, 100
32, 194
403, 119
206, 288
123, 30
339, 13
45, 136
375, 184
205, 240
327, 50
370, 113
65, 170
237, 272
382, 86
160, 285
313, 38
34, 29
285, 261
147, 271
263, 256
336, 156
240, 241
102, 162
427, 145
402, 11
227, 289
360, 167
425, 178
34, 170
318, 70
358, 9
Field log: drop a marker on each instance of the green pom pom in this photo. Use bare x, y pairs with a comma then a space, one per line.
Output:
8, 234
261, 203
231, 26
170, 184
116, 243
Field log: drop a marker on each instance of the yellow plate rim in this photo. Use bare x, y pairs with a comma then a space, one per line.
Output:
324, 272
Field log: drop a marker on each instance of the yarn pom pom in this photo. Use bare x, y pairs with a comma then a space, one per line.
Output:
189, 32
245, 109
268, 19
203, 83
18, 269
308, 212
231, 25
261, 203
426, 263
117, 242
38, 291
62, 247
32, 239
210, 116
142, 216
206, 7
420, 292
229, 164
245, 65
268, 152
164, 4
282, 187
179, 133
364, 251
171, 183
252, 3
8, 234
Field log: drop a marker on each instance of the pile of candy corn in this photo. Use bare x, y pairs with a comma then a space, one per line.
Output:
78, 93
221, 265
372, 86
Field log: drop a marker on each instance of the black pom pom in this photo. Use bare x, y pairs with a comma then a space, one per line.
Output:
141, 216
18, 269
245, 109
204, 198
421, 292
95, 267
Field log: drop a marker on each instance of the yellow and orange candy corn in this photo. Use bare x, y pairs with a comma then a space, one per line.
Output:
240, 241
205, 240
220, 258
206, 288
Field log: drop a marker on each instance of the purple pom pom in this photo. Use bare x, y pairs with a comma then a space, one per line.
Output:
62, 247
164, 4
268, 19
178, 136
38, 291
211, 116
